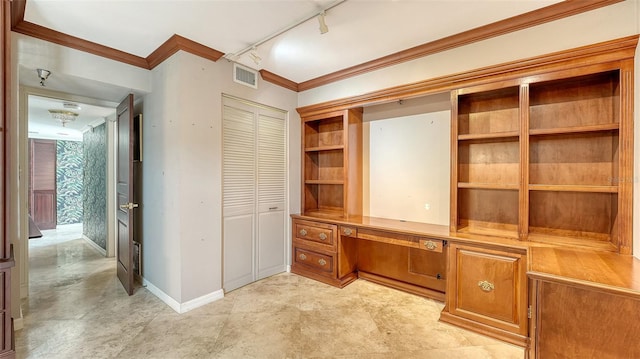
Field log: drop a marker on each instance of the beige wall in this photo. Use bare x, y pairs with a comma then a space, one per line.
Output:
182, 190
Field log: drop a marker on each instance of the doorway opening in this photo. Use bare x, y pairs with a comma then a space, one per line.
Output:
68, 166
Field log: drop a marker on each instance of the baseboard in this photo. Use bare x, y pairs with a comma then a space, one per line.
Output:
95, 245
288, 268
182, 307
18, 323
200, 301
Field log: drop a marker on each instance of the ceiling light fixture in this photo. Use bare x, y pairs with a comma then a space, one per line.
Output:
71, 106
323, 26
323, 29
43, 75
63, 116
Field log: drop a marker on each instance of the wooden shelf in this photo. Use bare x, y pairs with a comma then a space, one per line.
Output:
331, 182
573, 188
324, 148
483, 136
488, 230
572, 241
498, 186
574, 129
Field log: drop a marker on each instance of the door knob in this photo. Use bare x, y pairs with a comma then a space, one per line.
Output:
129, 206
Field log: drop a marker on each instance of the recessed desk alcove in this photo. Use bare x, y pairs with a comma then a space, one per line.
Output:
539, 171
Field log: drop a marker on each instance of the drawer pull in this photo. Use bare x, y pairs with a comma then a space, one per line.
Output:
302, 256
303, 232
430, 245
347, 231
322, 262
322, 236
486, 286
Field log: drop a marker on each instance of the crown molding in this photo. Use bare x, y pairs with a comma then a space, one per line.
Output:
601, 53
176, 42
536, 17
278, 80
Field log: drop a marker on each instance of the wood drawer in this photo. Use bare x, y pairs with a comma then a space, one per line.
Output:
315, 232
349, 231
317, 262
431, 245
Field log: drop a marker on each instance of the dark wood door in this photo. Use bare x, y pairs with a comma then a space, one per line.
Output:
43, 201
124, 191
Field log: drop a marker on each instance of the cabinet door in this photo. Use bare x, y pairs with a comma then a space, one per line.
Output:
489, 287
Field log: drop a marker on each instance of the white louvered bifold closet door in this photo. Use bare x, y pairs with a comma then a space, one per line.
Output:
254, 192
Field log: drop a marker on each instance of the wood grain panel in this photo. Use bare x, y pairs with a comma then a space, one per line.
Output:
580, 323
495, 162
582, 159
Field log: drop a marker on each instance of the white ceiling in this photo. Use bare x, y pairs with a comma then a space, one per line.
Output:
359, 30
42, 125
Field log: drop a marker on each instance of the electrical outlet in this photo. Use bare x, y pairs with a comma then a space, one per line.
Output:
427, 206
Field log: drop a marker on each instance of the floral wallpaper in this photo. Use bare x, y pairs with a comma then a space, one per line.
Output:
94, 196
69, 181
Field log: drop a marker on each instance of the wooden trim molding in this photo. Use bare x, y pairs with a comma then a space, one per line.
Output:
176, 42
43, 33
278, 80
529, 19
612, 50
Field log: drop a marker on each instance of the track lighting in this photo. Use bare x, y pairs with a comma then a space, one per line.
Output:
323, 26
254, 56
43, 75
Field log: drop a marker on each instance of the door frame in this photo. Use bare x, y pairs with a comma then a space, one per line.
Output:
23, 163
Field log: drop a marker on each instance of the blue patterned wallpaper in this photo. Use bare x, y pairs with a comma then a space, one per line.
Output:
94, 196
69, 181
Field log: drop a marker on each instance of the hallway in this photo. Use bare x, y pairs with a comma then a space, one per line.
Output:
78, 309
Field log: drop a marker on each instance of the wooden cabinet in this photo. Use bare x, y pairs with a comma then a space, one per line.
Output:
585, 304
487, 291
546, 158
332, 164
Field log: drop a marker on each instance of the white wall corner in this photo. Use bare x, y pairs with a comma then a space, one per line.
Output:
172, 303
181, 308
201, 301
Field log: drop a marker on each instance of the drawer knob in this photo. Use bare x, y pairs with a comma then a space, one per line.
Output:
322, 236
486, 286
347, 231
430, 245
302, 256
303, 232
322, 262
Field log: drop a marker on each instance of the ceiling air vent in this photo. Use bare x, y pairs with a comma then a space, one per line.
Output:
245, 76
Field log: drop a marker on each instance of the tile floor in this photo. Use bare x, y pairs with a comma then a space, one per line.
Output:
77, 309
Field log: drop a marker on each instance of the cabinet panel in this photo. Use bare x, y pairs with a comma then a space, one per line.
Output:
489, 287
574, 322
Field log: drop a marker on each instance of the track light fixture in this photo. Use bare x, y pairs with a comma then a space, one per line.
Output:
254, 56
43, 75
323, 26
